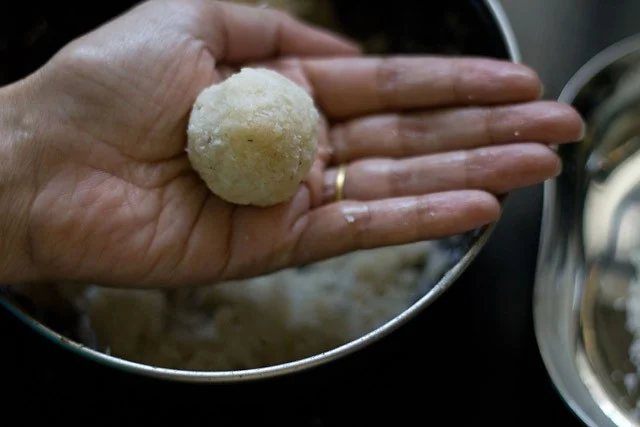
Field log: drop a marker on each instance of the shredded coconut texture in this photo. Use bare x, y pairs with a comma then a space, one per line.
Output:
253, 137
264, 321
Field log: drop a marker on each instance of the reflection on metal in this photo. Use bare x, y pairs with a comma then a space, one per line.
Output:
590, 238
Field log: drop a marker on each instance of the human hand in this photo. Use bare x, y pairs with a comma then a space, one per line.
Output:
113, 199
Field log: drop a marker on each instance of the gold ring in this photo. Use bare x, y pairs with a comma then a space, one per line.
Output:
340, 178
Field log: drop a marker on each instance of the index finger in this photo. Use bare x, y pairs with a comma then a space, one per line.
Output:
347, 87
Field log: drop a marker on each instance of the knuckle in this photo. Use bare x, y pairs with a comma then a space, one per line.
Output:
469, 164
489, 125
428, 218
411, 135
389, 77
79, 57
358, 218
339, 136
398, 180
458, 75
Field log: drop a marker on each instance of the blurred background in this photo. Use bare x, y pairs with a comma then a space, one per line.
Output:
471, 358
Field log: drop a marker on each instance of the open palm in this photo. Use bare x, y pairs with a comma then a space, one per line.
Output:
118, 203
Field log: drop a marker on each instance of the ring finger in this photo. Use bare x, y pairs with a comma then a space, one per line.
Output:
497, 170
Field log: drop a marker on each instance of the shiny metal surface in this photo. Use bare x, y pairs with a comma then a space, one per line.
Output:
558, 37
589, 244
464, 248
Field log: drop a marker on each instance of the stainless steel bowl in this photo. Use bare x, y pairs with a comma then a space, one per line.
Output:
469, 27
588, 260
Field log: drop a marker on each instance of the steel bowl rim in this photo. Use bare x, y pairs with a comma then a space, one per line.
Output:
503, 25
571, 90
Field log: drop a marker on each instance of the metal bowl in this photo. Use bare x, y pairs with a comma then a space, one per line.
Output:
588, 260
469, 27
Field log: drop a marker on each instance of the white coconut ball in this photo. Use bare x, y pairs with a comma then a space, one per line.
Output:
253, 137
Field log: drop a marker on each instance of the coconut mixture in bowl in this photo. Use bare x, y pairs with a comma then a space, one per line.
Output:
264, 321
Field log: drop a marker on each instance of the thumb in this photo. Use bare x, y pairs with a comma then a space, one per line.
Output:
237, 33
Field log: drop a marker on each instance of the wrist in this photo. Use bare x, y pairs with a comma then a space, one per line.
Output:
18, 174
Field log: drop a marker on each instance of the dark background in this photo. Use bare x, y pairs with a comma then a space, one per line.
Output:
470, 358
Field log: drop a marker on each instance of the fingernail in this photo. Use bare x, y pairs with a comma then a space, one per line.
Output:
541, 90
559, 167
583, 131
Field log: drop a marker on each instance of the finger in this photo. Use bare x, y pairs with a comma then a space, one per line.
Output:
338, 228
237, 33
346, 87
315, 179
497, 170
398, 135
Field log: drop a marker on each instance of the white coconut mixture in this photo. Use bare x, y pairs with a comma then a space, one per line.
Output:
268, 320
